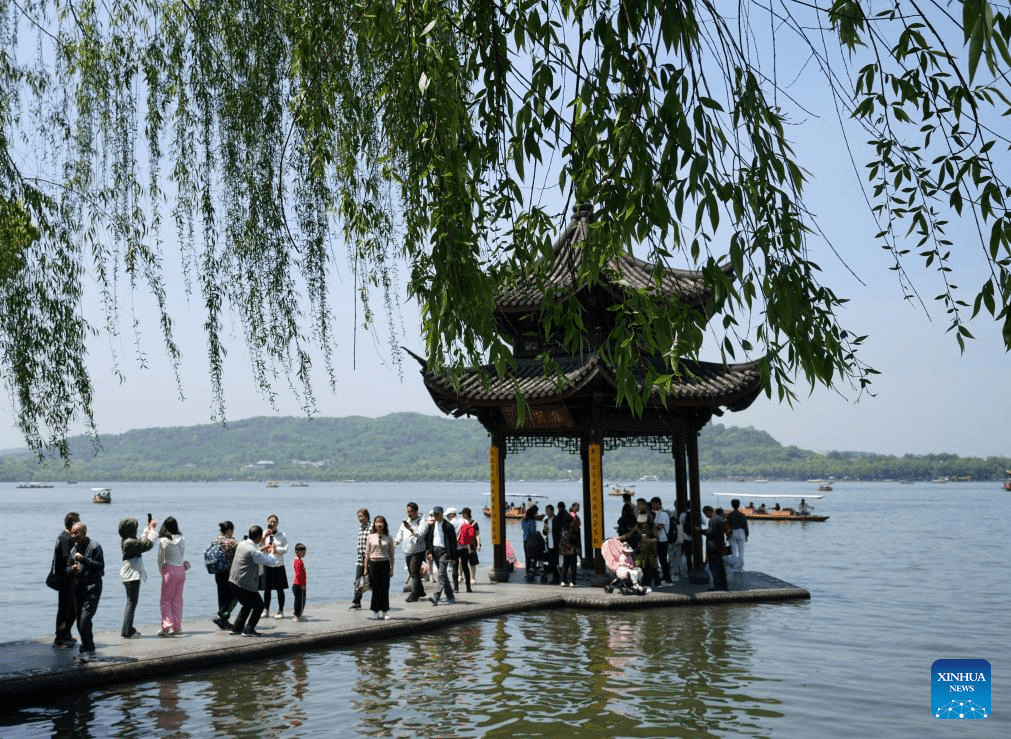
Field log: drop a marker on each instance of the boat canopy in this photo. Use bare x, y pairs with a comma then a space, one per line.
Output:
780, 497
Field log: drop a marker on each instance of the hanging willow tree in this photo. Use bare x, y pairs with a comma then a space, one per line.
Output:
247, 138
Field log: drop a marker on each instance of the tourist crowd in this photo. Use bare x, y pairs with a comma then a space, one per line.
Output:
439, 548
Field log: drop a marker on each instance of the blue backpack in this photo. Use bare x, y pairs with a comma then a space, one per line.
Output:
215, 558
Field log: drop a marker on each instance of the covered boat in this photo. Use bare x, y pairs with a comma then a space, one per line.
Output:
770, 509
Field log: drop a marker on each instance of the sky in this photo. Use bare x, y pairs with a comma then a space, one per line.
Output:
929, 398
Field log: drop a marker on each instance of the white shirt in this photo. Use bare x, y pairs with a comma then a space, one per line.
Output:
280, 542
661, 519
548, 530
413, 541
438, 539
172, 551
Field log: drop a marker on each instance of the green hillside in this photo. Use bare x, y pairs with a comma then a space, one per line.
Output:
412, 446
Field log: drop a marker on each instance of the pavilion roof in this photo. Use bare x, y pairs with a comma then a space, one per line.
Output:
624, 272
701, 385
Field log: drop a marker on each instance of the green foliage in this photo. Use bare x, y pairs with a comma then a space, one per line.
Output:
411, 446
452, 137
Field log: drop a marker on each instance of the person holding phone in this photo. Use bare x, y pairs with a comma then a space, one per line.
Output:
274, 577
132, 571
412, 539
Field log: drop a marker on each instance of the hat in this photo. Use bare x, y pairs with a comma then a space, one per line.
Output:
437, 509
450, 511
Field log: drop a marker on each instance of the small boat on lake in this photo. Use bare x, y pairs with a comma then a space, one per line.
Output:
101, 495
777, 512
517, 513
513, 510
33, 485
619, 490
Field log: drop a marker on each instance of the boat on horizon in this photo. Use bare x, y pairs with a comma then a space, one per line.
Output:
33, 485
101, 495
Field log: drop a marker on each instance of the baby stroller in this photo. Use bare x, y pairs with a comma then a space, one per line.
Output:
627, 577
536, 551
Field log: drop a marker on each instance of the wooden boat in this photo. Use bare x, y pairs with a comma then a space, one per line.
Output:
825, 487
273, 484
101, 495
621, 490
517, 513
779, 513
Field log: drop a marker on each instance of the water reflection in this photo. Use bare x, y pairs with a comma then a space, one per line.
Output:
667, 672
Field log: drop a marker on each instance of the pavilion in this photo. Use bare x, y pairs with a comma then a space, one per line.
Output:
577, 409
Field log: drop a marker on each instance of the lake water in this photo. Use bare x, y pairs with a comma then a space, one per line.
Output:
900, 575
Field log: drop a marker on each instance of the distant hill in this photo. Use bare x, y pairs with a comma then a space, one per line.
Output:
412, 446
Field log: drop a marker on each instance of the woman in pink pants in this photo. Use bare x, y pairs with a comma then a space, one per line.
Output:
173, 565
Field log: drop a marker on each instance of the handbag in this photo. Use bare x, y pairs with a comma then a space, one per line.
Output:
363, 584
53, 580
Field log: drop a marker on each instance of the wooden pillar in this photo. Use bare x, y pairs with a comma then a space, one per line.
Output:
696, 571
679, 450
497, 456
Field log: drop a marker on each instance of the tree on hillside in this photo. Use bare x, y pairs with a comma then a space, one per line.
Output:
243, 139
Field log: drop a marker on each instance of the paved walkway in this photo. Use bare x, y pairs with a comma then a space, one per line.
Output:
29, 667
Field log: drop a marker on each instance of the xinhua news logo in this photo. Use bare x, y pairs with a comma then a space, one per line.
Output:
960, 688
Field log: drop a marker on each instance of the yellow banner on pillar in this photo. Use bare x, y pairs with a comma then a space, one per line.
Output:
596, 495
497, 500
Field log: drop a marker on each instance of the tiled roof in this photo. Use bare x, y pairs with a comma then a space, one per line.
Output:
625, 272
703, 384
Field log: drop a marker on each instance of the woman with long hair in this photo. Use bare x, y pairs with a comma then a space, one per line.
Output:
378, 566
172, 565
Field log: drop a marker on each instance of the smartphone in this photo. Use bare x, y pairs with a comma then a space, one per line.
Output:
149, 518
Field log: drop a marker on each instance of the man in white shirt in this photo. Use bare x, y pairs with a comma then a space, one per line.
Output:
412, 540
551, 532
661, 521
440, 538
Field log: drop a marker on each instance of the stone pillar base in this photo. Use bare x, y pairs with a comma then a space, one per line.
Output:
496, 575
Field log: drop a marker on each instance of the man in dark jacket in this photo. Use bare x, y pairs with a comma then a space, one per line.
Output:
440, 540
715, 543
65, 611
85, 568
